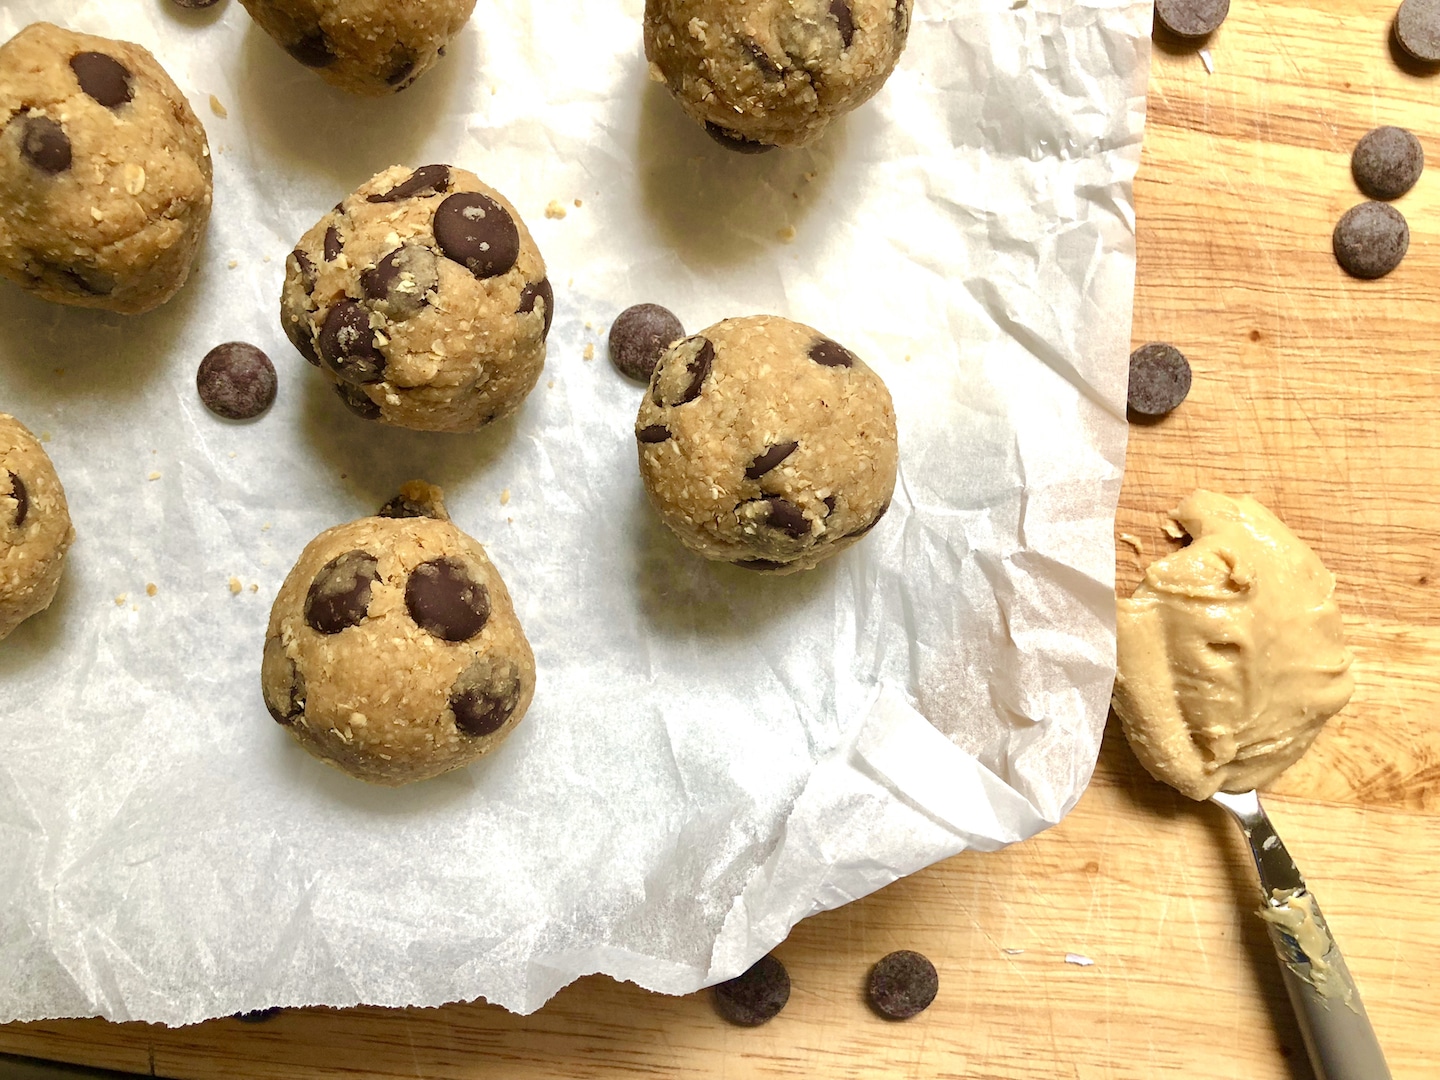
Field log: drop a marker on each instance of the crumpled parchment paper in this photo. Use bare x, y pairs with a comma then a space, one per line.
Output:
710, 756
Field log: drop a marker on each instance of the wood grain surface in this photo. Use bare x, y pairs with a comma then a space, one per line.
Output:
1314, 392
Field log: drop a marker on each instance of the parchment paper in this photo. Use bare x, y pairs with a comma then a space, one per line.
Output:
711, 756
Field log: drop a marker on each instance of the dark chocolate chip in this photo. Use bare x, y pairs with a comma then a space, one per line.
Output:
738, 143
103, 77
21, 497
299, 334
829, 353
485, 697
1159, 379
289, 706
1387, 162
347, 344
1191, 18
538, 290
333, 244
308, 273
840, 12
357, 401
313, 50
478, 233
425, 181
254, 1016
1371, 239
44, 144
402, 281
339, 597
773, 456
445, 600
1417, 29
756, 996
402, 63
761, 58
788, 517
655, 433
403, 507
873, 521
698, 368
639, 336
829, 502
759, 564
236, 380
902, 985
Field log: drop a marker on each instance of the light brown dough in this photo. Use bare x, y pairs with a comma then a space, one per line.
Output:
763, 73
104, 172
393, 650
418, 325
369, 47
766, 444
35, 529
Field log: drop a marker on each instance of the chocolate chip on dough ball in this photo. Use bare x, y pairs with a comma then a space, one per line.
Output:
35, 530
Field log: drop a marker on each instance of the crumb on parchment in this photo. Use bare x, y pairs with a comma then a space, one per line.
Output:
235, 586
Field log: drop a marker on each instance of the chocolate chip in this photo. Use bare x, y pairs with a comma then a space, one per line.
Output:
339, 597
873, 521
680, 386
761, 58
840, 12
759, 564
773, 456
44, 144
308, 273
357, 401
756, 996
1159, 379
21, 497
639, 336
787, 517
478, 233
1191, 18
655, 433
103, 77
236, 380
738, 143
1371, 239
333, 244
400, 284
829, 353
401, 64
485, 696
282, 684
423, 182
1417, 29
312, 50
446, 601
829, 502
1387, 162
415, 500
902, 985
538, 290
299, 334
347, 344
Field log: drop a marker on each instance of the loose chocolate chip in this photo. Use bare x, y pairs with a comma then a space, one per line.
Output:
358, 402
639, 336
1387, 162
347, 344
655, 433
333, 244
44, 144
738, 143
103, 77
1191, 18
538, 290
1159, 379
829, 353
840, 12
902, 985
288, 703
483, 697
788, 517
307, 269
478, 233
759, 564
1417, 29
339, 597
873, 521
236, 380
425, 181
21, 497
761, 58
446, 601
773, 456
312, 50
1371, 239
401, 282
756, 996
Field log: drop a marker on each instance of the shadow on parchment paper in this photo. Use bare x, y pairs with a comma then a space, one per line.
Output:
377, 458
1154, 799
714, 206
38, 636
343, 136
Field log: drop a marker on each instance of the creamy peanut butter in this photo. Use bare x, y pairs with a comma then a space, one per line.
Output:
1230, 654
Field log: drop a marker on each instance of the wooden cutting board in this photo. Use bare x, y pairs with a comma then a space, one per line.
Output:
1316, 393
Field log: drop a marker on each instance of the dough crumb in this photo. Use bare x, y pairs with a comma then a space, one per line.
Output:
216, 108
786, 234
234, 263
153, 476
578, 204
550, 385
266, 527
45, 436
120, 599
505, 497
151, 589
235, 586
555, 211
254, 587
589, 350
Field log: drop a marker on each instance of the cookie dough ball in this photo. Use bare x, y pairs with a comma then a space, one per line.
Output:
35, 530
104, 172
765, 444
369, 47
424, 298
763, 73
393, 651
